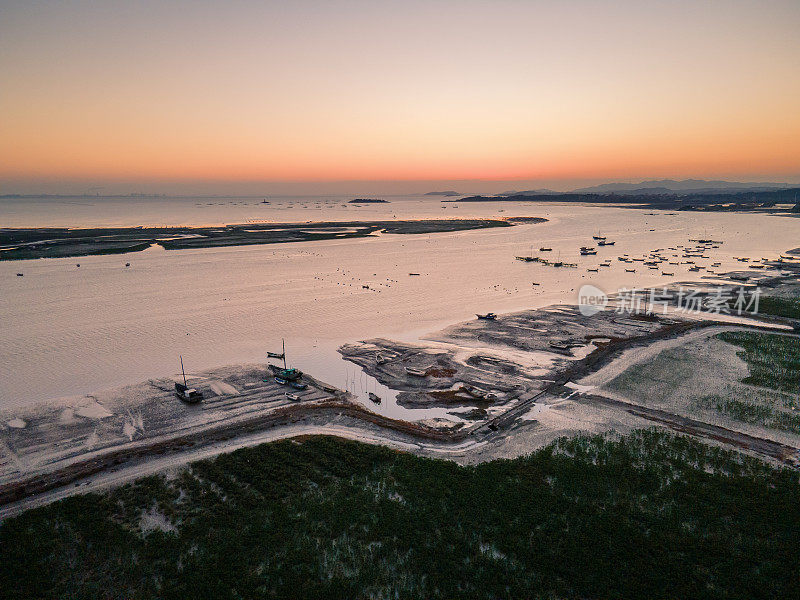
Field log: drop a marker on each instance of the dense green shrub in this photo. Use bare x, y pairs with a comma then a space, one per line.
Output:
649, 515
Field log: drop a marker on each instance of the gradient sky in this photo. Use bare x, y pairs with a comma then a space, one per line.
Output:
137, 95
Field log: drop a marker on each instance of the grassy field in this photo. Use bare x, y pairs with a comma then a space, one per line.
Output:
779, 307
650, 515
749, 411
774, 360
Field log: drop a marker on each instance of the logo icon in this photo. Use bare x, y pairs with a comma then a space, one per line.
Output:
591, 300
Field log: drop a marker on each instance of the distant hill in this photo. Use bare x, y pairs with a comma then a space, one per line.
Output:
444, 193
734, 199
543, 191
687, 186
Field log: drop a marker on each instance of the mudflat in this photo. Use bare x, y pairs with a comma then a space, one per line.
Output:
19, 244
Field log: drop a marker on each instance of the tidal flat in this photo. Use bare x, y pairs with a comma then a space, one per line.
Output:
46, 242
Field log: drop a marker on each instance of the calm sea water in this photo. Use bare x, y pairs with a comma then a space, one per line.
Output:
68, 331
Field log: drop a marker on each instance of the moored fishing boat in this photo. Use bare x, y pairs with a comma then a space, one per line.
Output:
184, 392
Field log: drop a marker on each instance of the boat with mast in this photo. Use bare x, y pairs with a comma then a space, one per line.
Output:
281, 355
284, 375
184, 392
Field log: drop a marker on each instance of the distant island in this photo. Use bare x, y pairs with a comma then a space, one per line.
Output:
368, 201
444, 193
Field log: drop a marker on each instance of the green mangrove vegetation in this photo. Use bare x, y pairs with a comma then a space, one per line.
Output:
648, 515
773, 359
779, 307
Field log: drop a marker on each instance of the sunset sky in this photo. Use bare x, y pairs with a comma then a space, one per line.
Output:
235, 95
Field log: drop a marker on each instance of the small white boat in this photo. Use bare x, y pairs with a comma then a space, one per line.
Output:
292, 397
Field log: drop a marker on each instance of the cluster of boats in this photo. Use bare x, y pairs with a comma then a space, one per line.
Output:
285, 376
656, 258
584, 251
282, 376
601, 241
549, 263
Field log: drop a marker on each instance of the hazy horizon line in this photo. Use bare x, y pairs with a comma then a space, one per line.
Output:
387, 187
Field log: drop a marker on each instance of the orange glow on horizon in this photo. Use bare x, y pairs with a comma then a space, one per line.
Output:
179, 96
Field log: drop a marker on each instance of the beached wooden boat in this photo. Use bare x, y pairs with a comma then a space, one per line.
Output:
184, 392
187, 394
490, 316
374, 397
287, 374
291, 396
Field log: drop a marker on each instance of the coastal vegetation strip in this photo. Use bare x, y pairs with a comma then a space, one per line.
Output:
18, 244
659, 198
779, 307
774, 360
647, 515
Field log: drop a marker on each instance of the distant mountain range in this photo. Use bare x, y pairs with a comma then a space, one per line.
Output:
687, 186
658, 187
